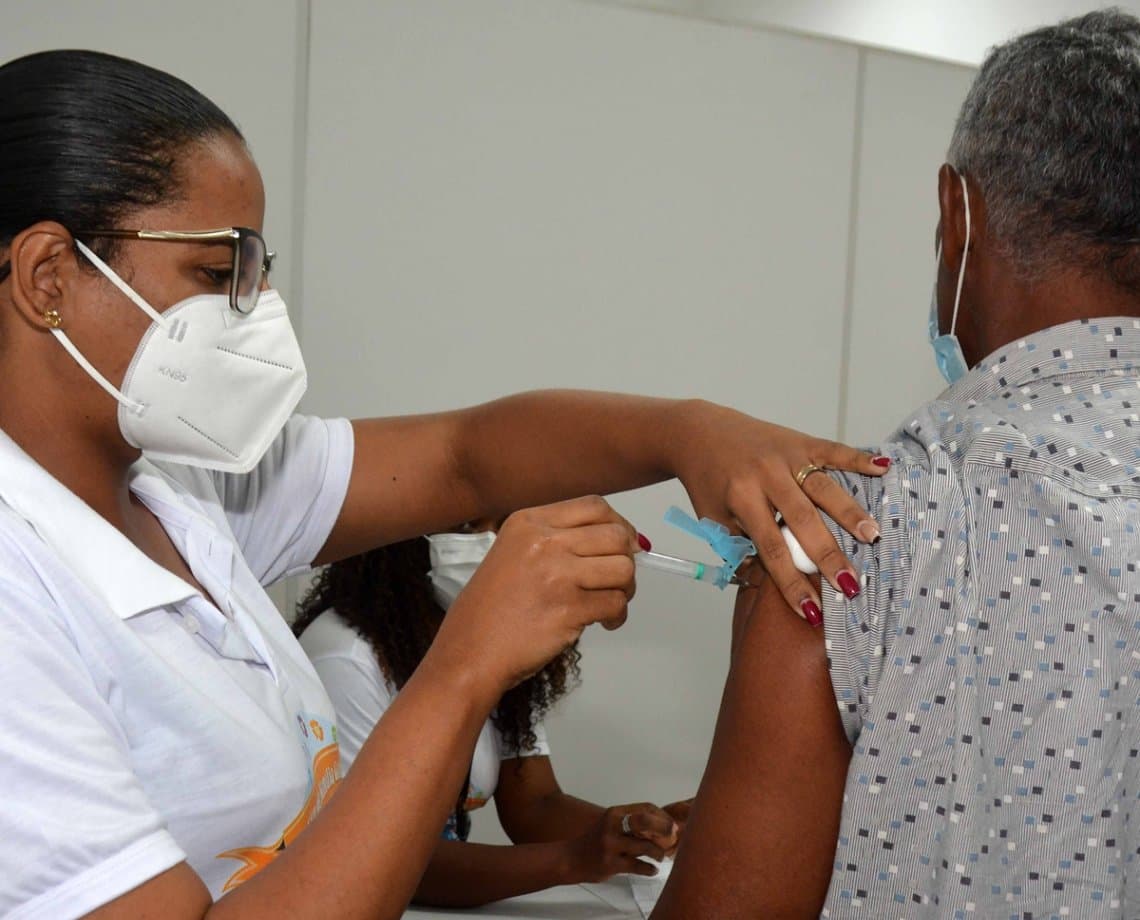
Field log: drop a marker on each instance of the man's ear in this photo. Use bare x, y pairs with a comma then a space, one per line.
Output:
952, 217
44, 271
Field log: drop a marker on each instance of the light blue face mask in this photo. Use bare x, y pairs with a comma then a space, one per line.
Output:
947, 348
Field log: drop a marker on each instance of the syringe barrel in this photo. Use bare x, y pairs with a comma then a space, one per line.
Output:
671, 564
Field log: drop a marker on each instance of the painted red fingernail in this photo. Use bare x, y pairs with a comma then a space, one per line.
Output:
643, 542
884, 462
811, 612
847, 584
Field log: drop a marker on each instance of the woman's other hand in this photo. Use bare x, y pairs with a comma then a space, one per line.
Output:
741, 471
552, 572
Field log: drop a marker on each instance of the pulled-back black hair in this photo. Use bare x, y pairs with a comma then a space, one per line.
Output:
86, 137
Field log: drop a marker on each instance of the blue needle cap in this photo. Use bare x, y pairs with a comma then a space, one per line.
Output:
732, 549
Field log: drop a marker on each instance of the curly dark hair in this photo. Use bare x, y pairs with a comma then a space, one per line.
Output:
385, 595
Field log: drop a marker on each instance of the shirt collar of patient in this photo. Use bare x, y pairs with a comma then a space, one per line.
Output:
112, 567
1075, 347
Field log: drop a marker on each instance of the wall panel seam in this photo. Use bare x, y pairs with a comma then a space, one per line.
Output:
852, 246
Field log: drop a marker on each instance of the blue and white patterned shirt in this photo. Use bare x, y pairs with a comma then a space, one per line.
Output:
988, 675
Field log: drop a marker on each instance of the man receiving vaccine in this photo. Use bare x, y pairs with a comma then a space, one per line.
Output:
961, 742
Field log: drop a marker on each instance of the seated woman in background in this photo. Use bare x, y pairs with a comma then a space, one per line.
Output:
366, 624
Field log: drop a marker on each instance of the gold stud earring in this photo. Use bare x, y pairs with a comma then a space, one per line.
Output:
53, 319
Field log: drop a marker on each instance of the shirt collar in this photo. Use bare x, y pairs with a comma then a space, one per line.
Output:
1107, 345
112, 567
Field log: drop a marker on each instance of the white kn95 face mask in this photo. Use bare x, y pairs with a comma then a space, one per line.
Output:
454, 559
207, 387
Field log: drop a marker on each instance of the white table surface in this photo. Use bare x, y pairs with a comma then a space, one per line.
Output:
610, 900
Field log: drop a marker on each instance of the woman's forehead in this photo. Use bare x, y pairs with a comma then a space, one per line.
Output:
220, 186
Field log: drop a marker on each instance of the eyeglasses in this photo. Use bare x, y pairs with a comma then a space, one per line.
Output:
251, 261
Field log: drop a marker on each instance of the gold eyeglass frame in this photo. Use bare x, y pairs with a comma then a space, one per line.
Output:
235, 235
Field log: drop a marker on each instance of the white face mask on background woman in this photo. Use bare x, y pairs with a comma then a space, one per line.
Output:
454, 559
208, 386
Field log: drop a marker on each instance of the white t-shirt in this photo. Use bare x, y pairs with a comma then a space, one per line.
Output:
360, 694
139, 724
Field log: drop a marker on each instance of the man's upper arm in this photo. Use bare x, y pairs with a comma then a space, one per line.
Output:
760, 840
770, 803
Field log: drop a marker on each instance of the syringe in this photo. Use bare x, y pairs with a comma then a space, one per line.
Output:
700, 571
686, 568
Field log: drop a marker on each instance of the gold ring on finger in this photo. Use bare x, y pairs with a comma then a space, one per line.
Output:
805, 471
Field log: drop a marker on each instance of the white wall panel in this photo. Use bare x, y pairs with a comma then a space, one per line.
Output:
908, 113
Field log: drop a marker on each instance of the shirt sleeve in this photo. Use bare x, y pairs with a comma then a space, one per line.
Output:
283, 511
859, 632
76, 827
922, 562
360, 696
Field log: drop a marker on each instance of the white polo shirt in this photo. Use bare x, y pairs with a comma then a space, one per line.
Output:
139, 724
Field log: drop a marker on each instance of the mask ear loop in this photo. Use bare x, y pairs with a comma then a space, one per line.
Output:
129, 292
61, 337
965, 251
69, 346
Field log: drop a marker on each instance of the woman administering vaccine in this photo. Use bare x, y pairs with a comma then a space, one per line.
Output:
366, 624
169, 750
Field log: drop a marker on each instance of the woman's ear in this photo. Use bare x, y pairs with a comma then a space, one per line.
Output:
44, 270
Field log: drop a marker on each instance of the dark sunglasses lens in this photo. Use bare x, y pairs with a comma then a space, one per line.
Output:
250, 270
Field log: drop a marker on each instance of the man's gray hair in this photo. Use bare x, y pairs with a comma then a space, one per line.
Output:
1050, 131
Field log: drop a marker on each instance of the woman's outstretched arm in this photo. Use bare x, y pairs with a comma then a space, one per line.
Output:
423, 474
